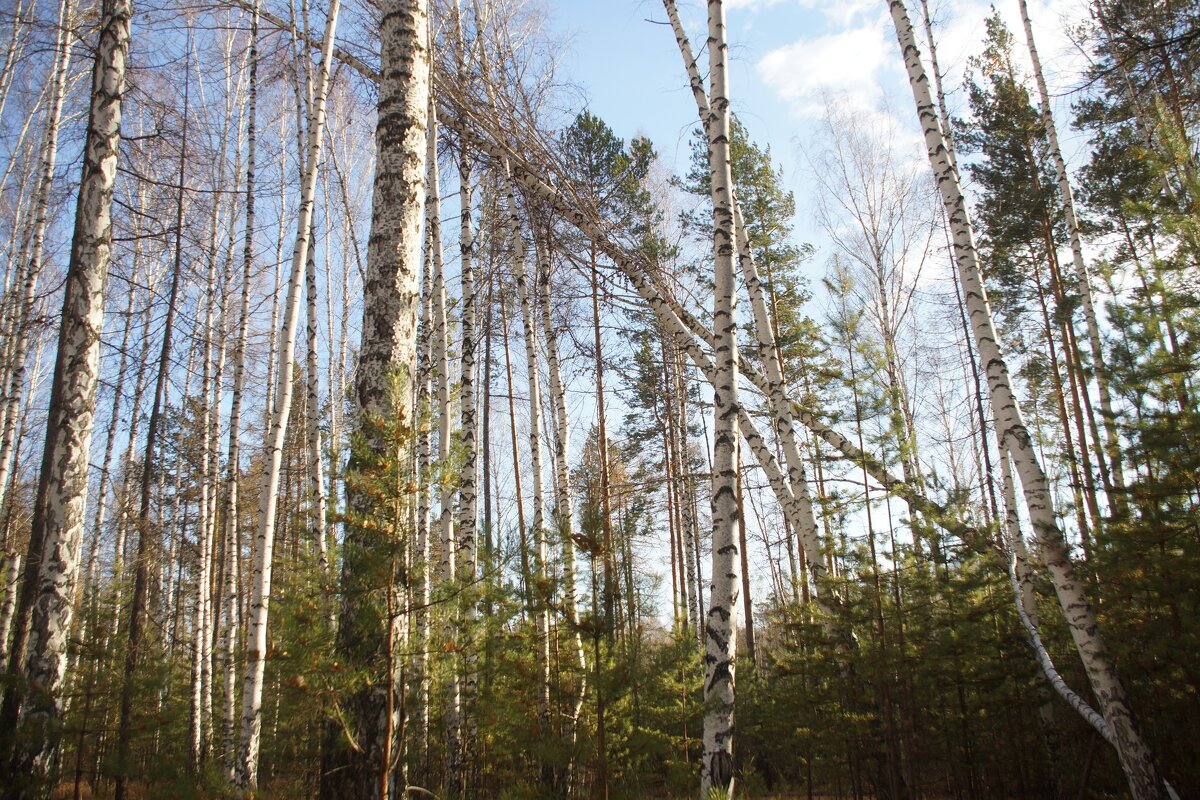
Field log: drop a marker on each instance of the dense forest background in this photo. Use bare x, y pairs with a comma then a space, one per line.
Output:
538, 572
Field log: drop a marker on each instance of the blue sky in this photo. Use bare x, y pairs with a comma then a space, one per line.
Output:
786, 55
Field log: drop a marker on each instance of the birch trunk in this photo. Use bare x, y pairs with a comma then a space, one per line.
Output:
768, 349
1082, 278
447, 565
232, 532
8, 598
425, 481
564, 512
62, 488
22, 321
716, 768
540, 590
256, 639
200, 722
384, 383
312, 408
467, 540
1135, 756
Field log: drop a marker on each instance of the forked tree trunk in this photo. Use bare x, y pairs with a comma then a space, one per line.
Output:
62, 487
1136, 758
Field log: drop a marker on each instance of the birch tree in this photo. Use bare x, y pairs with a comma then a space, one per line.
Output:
62, 487
256, 640
716, 770
387, 356
1082, 278
1135, 755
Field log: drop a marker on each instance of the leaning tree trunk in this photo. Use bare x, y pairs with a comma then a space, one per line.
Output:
1082, 279
383, 388
1135, 755
716, 768
768, 350
62, 487
264, 540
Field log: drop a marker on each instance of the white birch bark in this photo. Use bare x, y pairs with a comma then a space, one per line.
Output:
776, 388
716, 768
468, 533
383, 390
448, 561
537, 523
62, 491
312, 408
1135, 756
205, 529
425, 480
264, 541
8, 599
564, 509
467, 539
1082, 278
33, 252
232, 530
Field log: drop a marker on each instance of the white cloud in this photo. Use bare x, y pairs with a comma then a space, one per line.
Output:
848, 62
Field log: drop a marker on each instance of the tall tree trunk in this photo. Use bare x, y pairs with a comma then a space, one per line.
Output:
385, 377
716, 770
312, 408
765, 334
232, 532
468, 505
540, 590
1082, 279
148, 539
260, 597
468, 510
52, 562
425, 482
447, 565
564, 512
1136, 758
32, 253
